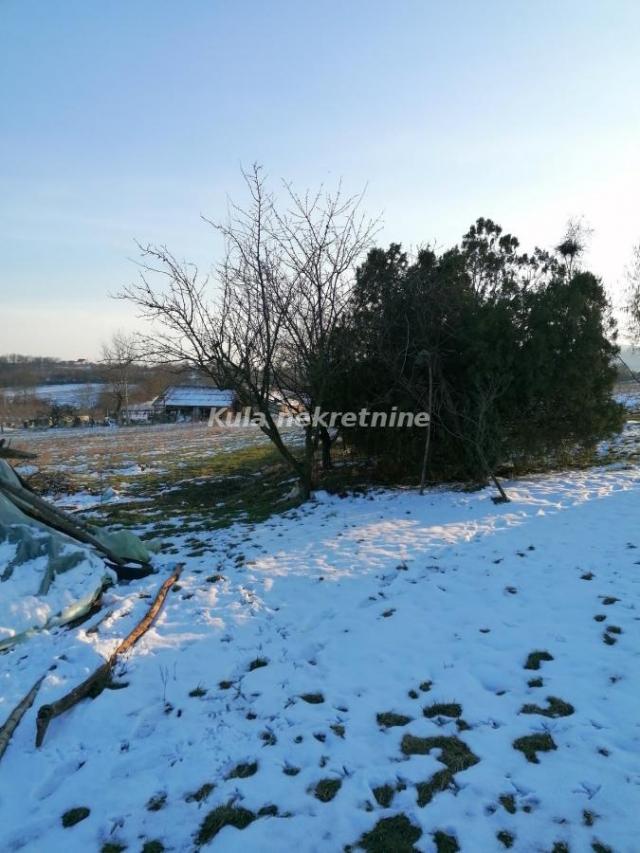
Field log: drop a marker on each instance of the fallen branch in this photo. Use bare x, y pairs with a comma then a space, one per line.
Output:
11, 723
96, 682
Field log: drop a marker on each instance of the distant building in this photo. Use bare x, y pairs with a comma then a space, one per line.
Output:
193, 402
140, 412
286, 403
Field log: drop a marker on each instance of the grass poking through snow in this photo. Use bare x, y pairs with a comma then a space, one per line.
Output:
530, 745
226, 815
326, 789
536, 658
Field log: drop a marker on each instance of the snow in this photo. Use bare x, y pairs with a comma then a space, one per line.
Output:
26, 470
628, 394
361, 599
629, 399
22, 609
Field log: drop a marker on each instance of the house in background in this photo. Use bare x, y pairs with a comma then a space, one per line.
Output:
140, 413
193, 402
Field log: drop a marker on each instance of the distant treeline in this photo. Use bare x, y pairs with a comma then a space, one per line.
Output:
26, 371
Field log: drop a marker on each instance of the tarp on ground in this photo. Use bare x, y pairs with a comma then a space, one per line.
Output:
47, 577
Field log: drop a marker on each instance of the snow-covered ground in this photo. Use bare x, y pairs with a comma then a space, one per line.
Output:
68, 394
283, 642
629, 396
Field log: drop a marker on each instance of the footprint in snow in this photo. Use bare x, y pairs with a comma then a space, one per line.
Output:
145, 729
54, 782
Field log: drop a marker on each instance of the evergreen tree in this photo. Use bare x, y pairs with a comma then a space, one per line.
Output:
511, 352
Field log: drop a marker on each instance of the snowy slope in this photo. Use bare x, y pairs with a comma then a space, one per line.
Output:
365, 605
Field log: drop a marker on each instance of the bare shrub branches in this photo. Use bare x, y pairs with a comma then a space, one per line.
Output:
280, 290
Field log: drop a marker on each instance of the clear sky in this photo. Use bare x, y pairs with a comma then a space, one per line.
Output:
123, 119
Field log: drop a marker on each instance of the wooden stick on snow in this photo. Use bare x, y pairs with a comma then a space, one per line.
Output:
11, 723
98, 679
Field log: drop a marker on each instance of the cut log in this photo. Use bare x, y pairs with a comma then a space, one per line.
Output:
16, 715
96, 682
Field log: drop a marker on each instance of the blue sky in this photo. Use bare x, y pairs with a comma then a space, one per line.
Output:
123, 120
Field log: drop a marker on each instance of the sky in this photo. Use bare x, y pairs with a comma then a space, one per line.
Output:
126, 120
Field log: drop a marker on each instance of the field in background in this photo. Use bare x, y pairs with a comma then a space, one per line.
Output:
154, 478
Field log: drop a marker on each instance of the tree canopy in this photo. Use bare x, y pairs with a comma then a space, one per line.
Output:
514, 351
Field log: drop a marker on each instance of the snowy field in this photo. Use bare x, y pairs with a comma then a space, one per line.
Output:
78, 468
67, 394
382, 672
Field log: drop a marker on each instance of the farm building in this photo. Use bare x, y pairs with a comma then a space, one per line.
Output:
140, 413
193, 402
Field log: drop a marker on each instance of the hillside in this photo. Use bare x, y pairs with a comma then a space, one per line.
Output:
385, 670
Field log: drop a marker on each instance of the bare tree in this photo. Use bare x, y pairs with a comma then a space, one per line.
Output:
118, 357
633, 295
320, 239
282, 288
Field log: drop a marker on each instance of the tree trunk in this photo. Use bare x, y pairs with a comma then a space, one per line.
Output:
427, 441
302, 469
504, 498
304, 486
307, 469
325, 442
